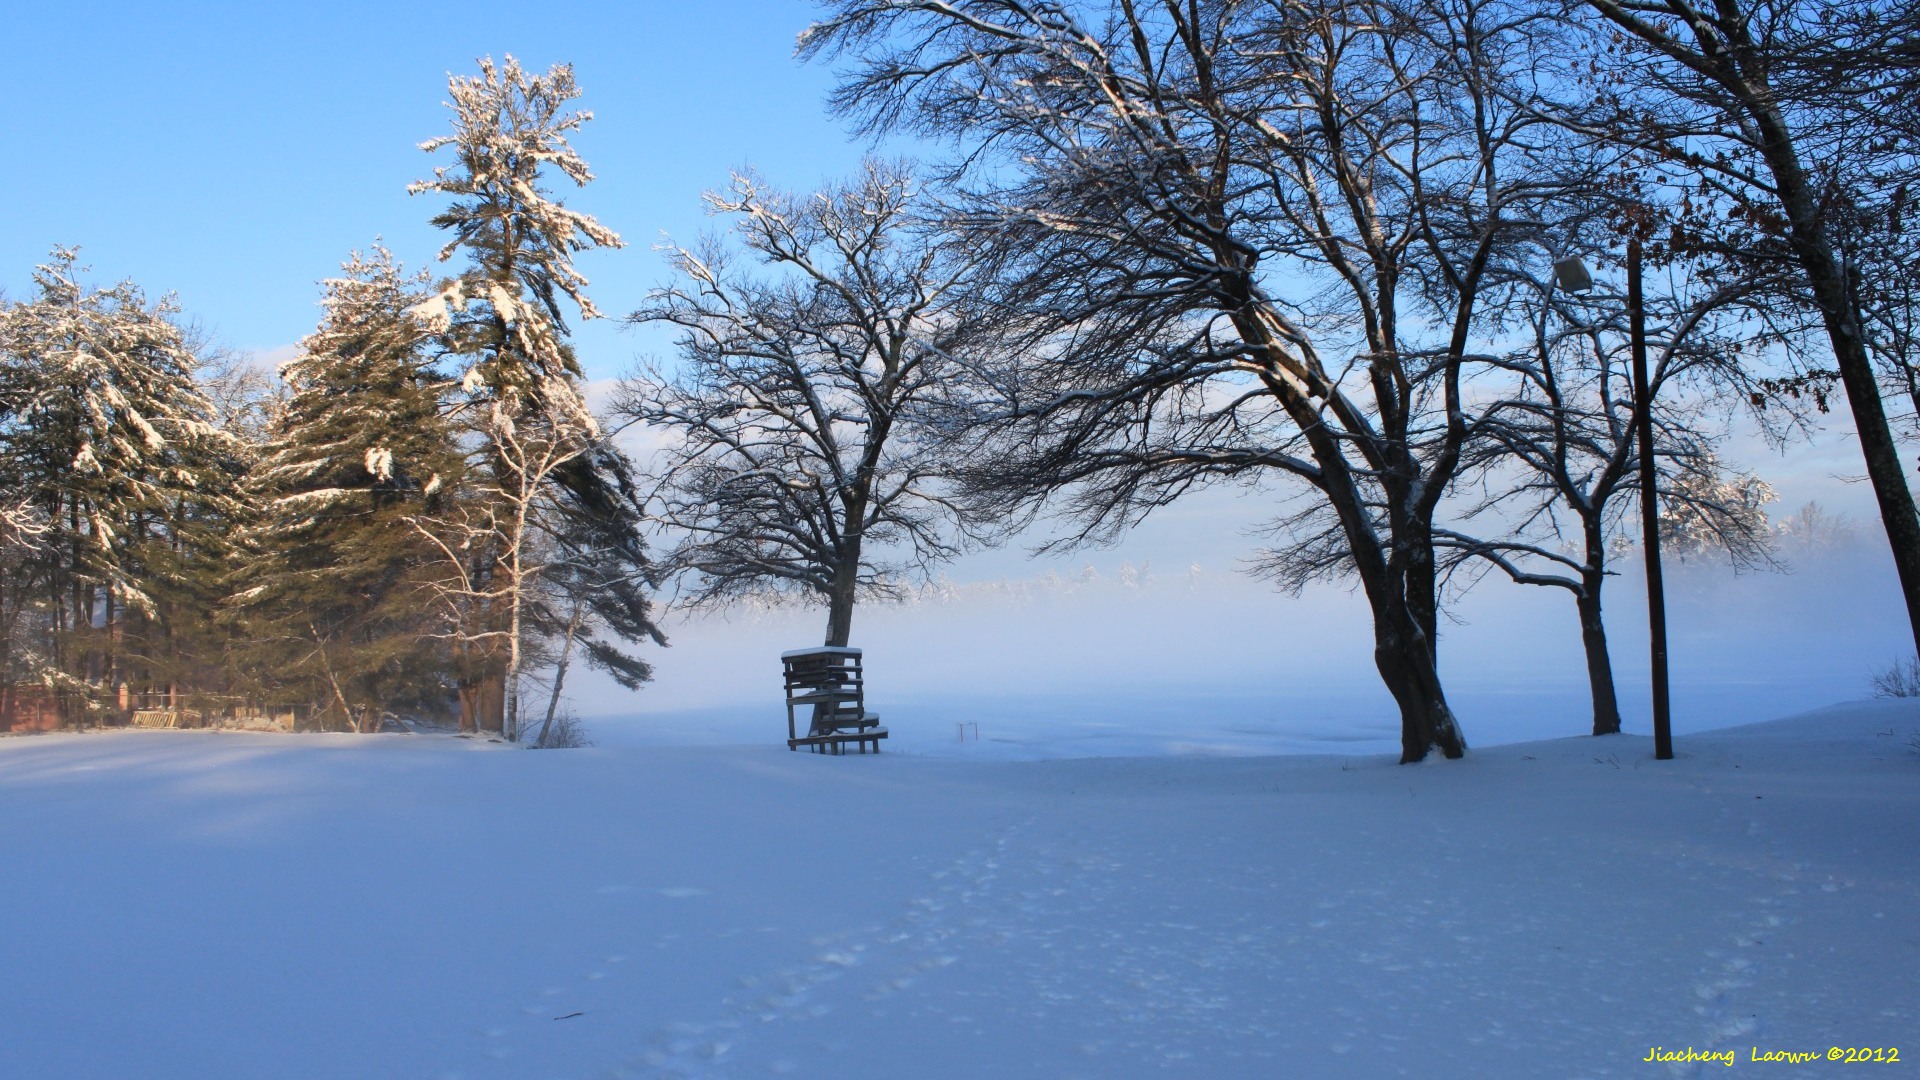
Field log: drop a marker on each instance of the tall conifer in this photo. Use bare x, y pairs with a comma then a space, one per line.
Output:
331, 595
556, 491
111, 445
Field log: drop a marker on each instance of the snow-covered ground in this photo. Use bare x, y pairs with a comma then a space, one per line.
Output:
190, 905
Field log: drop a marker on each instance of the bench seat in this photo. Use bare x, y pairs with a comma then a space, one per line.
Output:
836, 742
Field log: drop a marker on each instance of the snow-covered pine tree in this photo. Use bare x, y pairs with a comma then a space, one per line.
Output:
23, 532
544, 471
105, 434
502, 313
330, 601
1710, 509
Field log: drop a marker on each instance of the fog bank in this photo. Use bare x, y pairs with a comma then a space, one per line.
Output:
1203, 659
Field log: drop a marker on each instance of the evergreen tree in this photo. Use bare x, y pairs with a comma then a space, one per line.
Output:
110, 444
23, 531
544, 474
331, 595
502, 313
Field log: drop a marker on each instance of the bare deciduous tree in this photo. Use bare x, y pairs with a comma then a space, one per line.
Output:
1246, 240
495, 551
1557, 451
1796, 118
801, 420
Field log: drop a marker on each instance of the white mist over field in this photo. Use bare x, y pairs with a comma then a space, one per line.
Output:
1117, 652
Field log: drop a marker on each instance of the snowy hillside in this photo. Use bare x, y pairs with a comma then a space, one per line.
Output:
186, 905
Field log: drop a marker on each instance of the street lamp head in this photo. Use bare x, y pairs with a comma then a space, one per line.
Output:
1571, 274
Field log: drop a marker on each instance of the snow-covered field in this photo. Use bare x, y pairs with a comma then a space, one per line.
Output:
186, 905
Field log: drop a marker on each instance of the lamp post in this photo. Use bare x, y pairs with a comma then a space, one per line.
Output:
1572, 276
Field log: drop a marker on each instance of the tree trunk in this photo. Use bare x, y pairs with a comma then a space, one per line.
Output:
57, 646
1398, 576
1405, 661
1406, 615
1394, 560
1827, 276
846, 577
11, 609
468, 691
1897, 511
112, 680
560, 674
1593, 635
1423, 586
491, 692
840, 603
86, 663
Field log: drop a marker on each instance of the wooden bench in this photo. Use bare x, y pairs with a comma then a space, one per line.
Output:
828, 679
836, 742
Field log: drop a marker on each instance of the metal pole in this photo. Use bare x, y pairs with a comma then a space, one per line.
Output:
1649, 508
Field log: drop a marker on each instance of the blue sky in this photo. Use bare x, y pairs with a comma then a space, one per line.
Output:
234, 153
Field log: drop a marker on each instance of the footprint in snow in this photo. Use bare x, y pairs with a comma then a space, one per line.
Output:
892, 958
